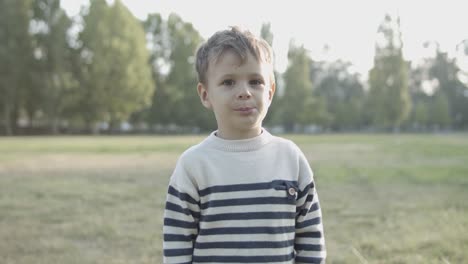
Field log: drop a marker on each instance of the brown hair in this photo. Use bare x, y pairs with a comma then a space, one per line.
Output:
241, 42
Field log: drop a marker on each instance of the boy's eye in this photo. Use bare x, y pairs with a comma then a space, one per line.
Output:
228, 82
256, 82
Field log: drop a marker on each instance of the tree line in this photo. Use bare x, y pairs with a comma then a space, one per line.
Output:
105, 67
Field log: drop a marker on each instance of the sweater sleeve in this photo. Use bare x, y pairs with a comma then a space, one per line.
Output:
181, 217
309, 241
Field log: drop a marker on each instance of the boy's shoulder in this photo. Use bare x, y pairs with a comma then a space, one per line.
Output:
285, 143
289, 148
193, 152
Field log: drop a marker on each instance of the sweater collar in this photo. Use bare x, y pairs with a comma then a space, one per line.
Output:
240, 145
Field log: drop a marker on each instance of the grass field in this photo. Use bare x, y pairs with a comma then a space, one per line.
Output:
385, 198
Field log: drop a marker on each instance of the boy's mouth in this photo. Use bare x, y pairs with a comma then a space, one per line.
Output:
244, 110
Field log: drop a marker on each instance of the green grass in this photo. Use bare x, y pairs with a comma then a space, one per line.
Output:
385, 198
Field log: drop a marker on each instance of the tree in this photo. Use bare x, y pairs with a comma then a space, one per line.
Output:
274, 111
15, 59
55, 84
266, 34
444, 71
182, 78
299, 107
461, 61
440, 115
116, 74
159, 109
173, 44
343, 93
389, 102
421, 99
420, 115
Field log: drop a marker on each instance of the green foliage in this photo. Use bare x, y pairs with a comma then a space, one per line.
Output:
116, 75
16, 59
299, 108
119, 69
446, 103
389, 102
274, 112
342, 93
440, 115
462, 61
55, 87
445, 71
266, 33
159, 111
182, 78
421, 114
173, 45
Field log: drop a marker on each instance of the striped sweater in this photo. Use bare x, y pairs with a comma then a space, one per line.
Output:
243, 201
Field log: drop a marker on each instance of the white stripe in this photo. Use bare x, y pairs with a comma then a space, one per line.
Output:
247, 223
243, 252
309, 241
178, 216
246, 237
243, 194
250, 208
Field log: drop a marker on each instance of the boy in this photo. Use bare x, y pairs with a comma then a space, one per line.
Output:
241, 195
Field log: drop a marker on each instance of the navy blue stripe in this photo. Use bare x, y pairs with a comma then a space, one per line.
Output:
309, 260
307, 200
179, 223
246, 244
244, 259
246, 201
314, 207
313, 221
308, 247
177, 208
305, 191
180, 238
182, 196
247, 230
248, 216
178, 252
314, 234
245, 187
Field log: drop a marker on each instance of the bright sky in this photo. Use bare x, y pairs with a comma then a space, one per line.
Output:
347, 27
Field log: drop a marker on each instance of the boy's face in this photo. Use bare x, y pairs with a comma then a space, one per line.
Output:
238, 94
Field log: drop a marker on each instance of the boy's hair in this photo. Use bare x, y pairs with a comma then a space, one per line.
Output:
241, 42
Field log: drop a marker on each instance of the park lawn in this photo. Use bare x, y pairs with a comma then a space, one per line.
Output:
386, 198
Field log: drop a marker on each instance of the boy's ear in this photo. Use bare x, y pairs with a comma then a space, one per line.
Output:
203, 93
271, 92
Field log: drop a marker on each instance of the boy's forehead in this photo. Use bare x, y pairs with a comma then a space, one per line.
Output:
231, 58
227, 56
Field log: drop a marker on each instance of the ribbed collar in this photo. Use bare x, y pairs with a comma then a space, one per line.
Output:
241, 145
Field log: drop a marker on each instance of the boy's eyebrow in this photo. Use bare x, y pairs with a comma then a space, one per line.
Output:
232, 75
227, 75
256, 74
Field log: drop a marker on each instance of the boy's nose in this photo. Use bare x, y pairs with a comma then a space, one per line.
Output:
244, 92
246, 95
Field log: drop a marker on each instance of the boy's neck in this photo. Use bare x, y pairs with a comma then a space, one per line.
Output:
229, 135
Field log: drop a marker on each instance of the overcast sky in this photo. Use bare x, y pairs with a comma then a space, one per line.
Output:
347, 27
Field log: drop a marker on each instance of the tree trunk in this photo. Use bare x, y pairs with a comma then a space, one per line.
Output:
54, 126
8, 130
